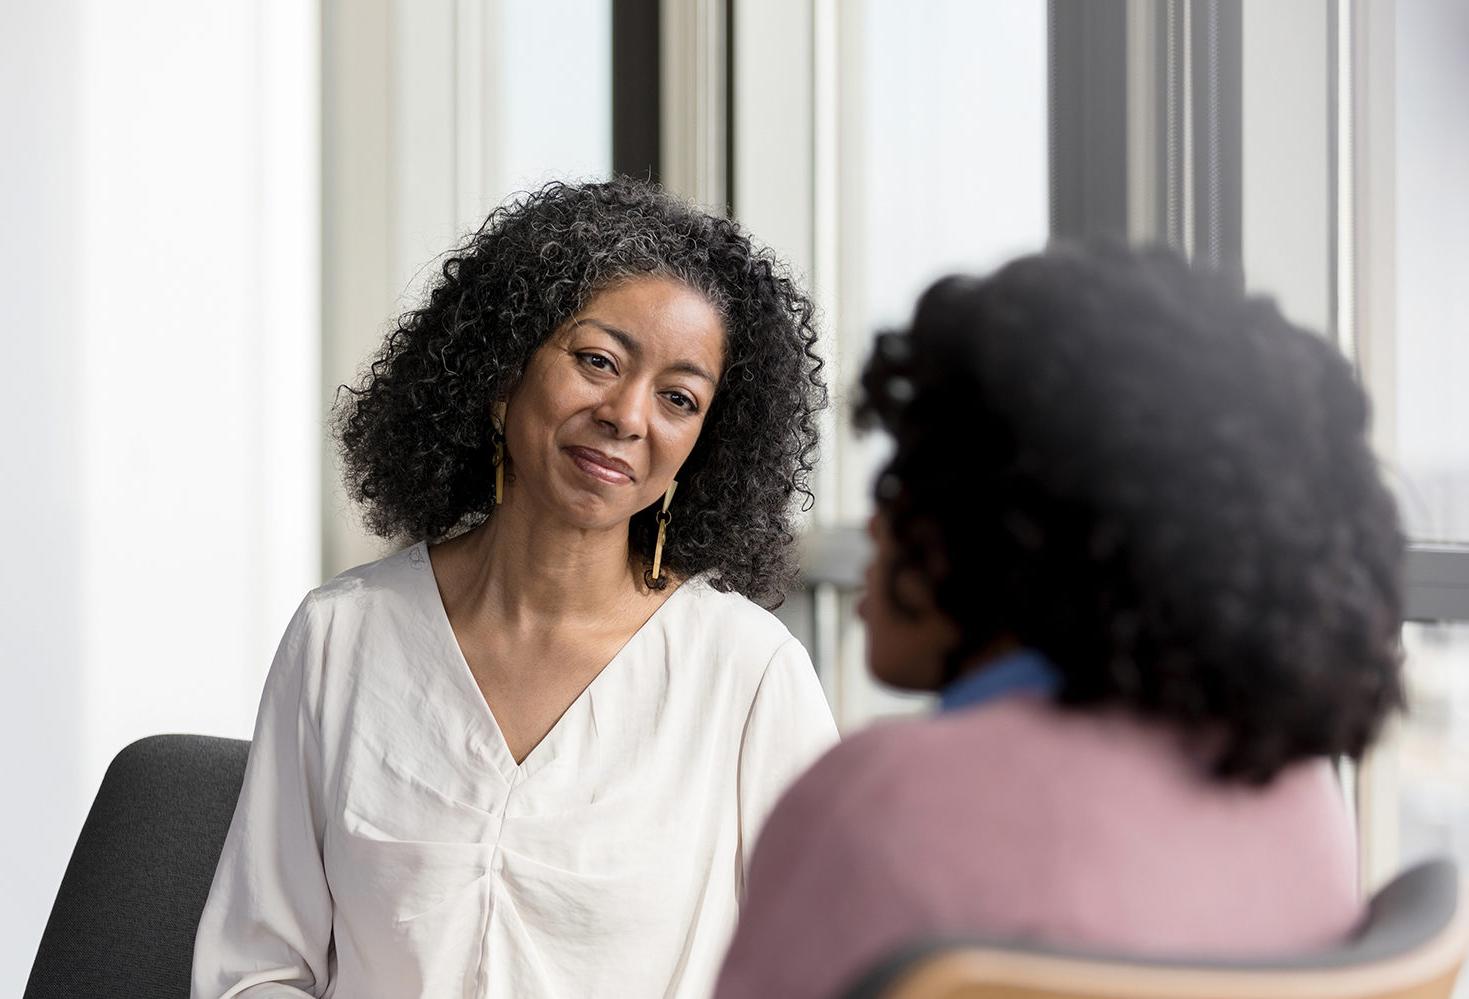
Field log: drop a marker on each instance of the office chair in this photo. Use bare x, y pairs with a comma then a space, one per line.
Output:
124, 919
1410, 946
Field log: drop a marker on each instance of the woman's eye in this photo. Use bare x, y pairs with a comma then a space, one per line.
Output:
599, 361
682, 401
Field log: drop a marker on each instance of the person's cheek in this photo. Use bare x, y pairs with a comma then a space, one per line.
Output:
883, 658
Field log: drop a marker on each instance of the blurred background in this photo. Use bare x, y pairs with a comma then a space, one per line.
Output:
213, 210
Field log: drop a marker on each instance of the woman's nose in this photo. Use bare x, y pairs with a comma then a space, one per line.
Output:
625, 411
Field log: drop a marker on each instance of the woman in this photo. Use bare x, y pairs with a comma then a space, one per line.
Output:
527, 755
1133, 535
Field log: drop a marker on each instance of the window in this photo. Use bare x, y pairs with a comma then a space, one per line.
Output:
1410, 245
1433, 745
915, 148
1315, 146
1427, 408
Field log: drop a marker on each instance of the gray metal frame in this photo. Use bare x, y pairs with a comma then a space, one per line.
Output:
636, 68
1437, 583
1087, 73
1436, 577
1186, 57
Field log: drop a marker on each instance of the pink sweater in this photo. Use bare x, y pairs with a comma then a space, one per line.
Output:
1019, 820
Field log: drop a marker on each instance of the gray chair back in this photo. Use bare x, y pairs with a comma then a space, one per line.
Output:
1410, 945
124, 918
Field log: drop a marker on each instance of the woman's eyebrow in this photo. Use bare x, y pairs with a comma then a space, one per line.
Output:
631, 345
623, 337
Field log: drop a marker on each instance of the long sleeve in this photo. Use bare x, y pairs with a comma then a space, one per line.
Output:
266, 928
788, 727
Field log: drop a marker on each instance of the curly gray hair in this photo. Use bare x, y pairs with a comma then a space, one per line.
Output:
414, 435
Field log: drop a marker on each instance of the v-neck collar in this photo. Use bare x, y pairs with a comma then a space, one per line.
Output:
495, 746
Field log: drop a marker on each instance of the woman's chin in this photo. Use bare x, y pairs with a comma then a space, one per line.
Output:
899, 673
590, 511
899, 676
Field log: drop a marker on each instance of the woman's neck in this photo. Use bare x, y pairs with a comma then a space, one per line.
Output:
523, 567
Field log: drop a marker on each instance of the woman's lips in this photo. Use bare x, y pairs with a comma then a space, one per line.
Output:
600, 466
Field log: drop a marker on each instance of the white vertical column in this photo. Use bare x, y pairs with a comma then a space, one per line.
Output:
359, 285
424, 143
826, 242
288, 67
693, 100
198, 322
1286, 184
159, 257
774, 190
1374, 210
41, 722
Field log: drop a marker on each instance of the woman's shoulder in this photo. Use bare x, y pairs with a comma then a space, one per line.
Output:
381, 598
1023, 757
731, 624
896, 764
389, 578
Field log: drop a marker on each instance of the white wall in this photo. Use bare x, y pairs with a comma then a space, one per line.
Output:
159, 252
41, 723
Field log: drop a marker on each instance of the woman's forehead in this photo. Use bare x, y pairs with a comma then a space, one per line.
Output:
657, 317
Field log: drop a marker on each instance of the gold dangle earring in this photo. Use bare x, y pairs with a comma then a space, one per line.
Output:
664, 517
497, 437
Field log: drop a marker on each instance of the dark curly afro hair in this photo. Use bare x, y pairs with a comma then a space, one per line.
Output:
415, 434
1159, 483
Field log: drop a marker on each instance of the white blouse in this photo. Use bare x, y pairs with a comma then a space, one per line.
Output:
387, 844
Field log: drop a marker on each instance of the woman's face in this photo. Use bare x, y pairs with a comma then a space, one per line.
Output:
611, 405
903, 649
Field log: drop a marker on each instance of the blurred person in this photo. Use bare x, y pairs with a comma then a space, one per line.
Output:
527, 754
1133, 535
